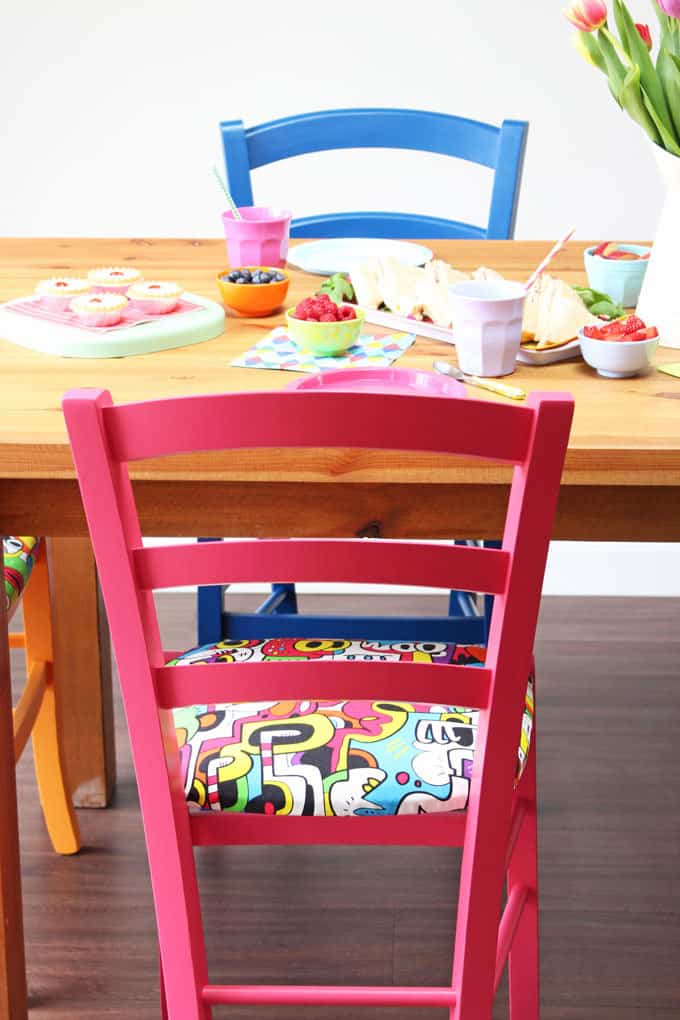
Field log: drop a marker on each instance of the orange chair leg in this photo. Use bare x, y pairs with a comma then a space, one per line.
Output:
55, 793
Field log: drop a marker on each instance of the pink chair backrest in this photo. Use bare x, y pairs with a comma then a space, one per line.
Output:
105, 438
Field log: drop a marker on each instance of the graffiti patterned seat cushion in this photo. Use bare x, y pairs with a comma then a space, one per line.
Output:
19, 556
331, 758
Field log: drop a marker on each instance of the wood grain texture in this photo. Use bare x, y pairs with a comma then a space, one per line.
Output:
624, 433
609, 830
12, 969
82, 666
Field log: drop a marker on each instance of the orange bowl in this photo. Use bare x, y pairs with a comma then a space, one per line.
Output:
253, 298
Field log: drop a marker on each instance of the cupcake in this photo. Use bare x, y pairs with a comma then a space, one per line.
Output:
113, 279
58, 292
99, 309
155, 297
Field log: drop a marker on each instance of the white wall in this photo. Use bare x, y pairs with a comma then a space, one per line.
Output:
112, 127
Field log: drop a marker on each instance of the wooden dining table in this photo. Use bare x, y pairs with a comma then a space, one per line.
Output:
621, 480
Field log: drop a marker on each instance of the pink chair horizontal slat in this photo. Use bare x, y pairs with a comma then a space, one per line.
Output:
219, 828
471, 428
217, 683
328, 995
370, 561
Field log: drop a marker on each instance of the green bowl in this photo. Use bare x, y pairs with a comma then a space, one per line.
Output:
325, 338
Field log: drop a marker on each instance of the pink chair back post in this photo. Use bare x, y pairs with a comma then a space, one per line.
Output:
533, 438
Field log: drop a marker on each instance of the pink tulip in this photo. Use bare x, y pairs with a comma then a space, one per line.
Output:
671, 7
587, 15
645, 34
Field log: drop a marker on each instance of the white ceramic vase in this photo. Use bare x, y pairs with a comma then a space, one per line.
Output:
659, 301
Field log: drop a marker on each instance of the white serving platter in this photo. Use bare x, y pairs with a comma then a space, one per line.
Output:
552, 355
428, 329
342, 254
162, 333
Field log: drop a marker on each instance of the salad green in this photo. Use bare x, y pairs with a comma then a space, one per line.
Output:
598, 303
338, 287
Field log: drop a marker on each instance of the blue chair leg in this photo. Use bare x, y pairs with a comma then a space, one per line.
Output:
283, 599
209, 605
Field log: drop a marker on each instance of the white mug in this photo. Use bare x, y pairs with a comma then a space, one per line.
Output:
487, 325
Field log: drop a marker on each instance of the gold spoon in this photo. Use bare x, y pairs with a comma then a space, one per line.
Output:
512, 392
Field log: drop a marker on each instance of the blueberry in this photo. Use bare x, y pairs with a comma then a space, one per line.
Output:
233, 275
265, 278
279, 276
245, 273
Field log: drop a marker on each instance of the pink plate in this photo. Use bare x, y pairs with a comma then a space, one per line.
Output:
382, 380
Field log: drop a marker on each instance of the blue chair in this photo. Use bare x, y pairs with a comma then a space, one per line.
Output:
499, 148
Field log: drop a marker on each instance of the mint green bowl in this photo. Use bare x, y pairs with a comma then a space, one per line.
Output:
325, 338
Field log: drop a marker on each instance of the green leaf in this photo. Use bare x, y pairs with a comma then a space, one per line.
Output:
338, 288
616, 72
598, 303
668, 69
639, 54
591, 45
668, 139
632, 100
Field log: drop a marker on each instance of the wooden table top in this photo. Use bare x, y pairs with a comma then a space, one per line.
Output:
626, 432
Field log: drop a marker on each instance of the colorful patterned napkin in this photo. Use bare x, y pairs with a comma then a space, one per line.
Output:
277, 350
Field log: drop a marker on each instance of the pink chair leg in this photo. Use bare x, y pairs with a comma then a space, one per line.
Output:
161, 982
479, 906
523, 957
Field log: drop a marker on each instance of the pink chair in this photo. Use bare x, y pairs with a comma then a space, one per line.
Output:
497, 828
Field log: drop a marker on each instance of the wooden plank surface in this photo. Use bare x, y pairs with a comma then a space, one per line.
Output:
609, 831
626, 432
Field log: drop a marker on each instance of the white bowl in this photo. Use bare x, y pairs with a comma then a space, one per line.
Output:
618, 359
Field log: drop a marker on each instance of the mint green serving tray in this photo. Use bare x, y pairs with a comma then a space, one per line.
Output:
163, 333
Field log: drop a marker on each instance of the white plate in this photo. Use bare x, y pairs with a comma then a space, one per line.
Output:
551, 355
341, 254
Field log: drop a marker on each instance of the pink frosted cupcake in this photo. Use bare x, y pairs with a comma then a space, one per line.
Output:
113, 279
99, 309
155, 297
58, 292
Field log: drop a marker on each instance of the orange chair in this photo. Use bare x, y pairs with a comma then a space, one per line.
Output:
37, 711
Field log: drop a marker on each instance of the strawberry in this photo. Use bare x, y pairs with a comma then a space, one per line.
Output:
632, 324
648, 333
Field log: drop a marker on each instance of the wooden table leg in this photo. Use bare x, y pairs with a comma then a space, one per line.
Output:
13, 994
82, 656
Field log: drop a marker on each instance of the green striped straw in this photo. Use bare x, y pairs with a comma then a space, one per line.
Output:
225, 189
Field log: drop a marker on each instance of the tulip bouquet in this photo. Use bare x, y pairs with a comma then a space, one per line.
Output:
647, 89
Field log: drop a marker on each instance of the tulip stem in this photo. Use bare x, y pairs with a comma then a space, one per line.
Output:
616, 44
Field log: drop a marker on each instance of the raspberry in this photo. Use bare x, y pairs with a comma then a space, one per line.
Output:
347, 313
327, 317
312, 318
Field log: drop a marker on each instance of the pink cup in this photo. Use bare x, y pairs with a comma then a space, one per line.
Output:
260, 238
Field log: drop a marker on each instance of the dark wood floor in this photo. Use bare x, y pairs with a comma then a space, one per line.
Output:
609, 775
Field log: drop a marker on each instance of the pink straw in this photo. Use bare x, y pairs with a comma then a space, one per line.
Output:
559, 245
